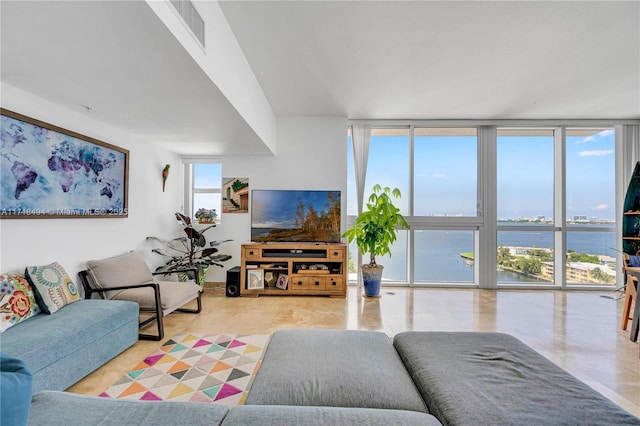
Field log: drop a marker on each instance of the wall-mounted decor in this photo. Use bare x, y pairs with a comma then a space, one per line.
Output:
235, 195
165, 175
50, 172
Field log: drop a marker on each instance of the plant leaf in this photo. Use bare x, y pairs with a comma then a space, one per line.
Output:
209, 252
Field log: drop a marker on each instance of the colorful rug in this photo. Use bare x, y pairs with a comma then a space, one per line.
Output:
196, 368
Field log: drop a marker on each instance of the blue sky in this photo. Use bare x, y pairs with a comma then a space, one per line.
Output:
445, 172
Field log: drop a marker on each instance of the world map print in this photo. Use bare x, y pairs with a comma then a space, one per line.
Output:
45, 172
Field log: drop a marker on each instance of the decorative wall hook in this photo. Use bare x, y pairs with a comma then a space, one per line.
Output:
165, 175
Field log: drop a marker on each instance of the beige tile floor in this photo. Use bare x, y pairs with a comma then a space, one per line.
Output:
577, 330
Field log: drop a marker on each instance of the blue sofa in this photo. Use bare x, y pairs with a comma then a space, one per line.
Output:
64, 347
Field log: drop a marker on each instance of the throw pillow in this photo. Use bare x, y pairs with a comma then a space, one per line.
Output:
17, 301
53, 287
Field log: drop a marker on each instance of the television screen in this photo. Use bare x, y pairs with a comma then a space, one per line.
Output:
295, 216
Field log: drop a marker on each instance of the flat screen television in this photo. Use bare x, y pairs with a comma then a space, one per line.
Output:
295, 216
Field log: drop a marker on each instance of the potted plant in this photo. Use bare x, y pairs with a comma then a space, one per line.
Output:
206, 215
374, 232
191, 250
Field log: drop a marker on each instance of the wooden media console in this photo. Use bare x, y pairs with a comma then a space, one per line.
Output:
293, 269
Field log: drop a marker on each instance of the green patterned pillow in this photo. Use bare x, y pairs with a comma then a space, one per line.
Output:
53, 287
17, 301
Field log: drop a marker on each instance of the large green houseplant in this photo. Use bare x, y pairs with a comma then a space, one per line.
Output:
191, 250
375, 230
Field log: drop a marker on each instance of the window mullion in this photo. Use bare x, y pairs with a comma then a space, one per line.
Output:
559, 214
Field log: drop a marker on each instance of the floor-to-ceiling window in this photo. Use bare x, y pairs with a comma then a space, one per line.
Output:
525, 198
445, 190
590, 207
388, 165
555, 198
436, 172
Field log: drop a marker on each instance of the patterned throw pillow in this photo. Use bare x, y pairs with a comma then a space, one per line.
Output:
53, 287
17, 301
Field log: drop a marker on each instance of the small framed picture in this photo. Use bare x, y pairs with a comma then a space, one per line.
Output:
269, 279
283, 280
255, 279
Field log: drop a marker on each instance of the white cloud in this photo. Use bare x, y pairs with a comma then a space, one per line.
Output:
597, 136
601, 206
595, 153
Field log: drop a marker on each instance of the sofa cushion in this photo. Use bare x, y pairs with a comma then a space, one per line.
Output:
283, 415
17, 300
125, 269
173, 295
61, 408
473, 378
15, 391
338, 368
53, 287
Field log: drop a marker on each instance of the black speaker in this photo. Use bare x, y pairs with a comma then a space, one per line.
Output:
233, 282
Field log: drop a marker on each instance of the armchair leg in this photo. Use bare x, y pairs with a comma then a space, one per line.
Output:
158, 315
193, 311
160, 326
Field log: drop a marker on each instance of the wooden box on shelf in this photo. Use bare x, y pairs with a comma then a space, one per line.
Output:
307, 268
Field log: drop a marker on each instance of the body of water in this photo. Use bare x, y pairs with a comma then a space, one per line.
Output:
437, 253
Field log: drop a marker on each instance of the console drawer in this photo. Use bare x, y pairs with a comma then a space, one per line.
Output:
335, 253
308, 283
334, 283
252, 253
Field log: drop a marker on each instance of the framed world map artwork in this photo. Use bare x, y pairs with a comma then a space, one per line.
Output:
50, 172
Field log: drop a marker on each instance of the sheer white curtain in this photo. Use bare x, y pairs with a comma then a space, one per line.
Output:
360, 135
629, 136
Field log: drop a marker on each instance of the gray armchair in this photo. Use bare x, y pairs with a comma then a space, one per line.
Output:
127, 277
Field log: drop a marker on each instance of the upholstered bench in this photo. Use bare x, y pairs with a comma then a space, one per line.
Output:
470, 378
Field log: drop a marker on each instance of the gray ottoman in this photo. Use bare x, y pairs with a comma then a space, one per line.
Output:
337, 368
469, 378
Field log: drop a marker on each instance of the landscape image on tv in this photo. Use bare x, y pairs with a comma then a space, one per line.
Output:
295, 216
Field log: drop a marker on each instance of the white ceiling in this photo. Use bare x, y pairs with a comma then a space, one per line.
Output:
361, 60
444, 59
118, 58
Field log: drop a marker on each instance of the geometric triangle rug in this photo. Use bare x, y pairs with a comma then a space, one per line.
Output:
198, 368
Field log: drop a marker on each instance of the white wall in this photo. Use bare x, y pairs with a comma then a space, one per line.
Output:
72, 242
311, 154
